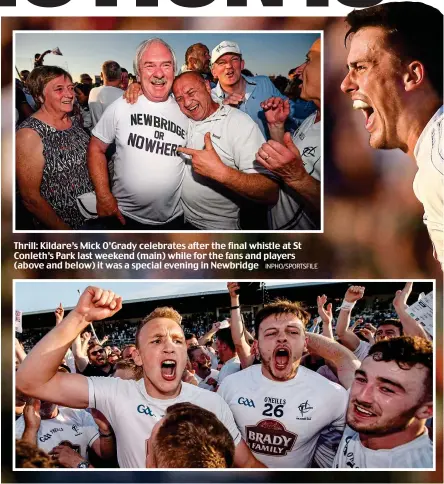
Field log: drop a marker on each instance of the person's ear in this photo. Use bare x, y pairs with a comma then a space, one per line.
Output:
414, 76
137, 358
425, 411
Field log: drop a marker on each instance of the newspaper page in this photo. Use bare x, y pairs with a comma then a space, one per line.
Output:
222, 240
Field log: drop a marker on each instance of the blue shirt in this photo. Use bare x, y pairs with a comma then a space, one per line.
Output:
259, 89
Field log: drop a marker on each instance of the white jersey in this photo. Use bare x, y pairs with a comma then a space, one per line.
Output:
281, 421
361, 352
72, 427
229, 367
148, 172
133, 413
202, 383
208, 205
429, 180
100, 98
352, 454
289, 213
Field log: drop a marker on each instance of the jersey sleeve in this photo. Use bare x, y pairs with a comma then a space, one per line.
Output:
105, 129
226, 417
90, 428
103, 392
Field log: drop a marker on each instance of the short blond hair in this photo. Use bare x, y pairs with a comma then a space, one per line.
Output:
163, 312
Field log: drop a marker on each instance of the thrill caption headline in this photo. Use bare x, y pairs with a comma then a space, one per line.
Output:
157, 256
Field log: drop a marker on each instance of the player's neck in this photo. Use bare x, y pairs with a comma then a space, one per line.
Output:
415, 120
154, 392
395, 439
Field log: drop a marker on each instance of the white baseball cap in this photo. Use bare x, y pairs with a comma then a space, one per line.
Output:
225, 47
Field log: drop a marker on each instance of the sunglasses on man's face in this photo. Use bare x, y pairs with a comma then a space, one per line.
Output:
97, 352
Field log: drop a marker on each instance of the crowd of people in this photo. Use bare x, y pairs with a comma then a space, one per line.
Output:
344, 393
203, 147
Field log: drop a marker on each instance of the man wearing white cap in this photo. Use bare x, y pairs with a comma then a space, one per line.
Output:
247, 93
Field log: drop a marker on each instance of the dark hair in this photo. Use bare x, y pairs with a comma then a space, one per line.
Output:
414, 32
278, 307
192, 349
111, 71
392, 322
190, 335
40, 77
84, 88
247, 72
407, 351
163, 312
224, 336
192, 437
292, 71
123, 70
93, 345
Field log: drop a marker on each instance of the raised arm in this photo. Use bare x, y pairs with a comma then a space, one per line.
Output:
345, 361
209, 334
410, 326
20, 352
347, 337
29, 169
238, 329
326, 315
276, 111
98, 171
37, 376
79, 354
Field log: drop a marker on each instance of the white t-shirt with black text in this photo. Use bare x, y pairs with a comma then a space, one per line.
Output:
281, 421
133, 413
148, 172
352, 454
73, 427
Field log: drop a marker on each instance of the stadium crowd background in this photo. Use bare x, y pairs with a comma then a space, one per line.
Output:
199, 311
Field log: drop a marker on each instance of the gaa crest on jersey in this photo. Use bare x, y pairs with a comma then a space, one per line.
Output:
270, 437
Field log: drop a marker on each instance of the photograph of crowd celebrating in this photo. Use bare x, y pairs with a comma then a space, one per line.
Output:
206, 146
320, 375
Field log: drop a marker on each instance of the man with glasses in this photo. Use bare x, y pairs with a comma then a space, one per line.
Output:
96, 363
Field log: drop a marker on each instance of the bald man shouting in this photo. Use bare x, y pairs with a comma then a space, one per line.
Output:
222, 142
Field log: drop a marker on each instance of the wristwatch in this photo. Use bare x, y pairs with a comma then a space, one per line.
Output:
83, 465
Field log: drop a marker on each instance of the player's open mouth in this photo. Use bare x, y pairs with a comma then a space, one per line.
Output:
281, 358
193, 108
367, 111
363, 412
168, 370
